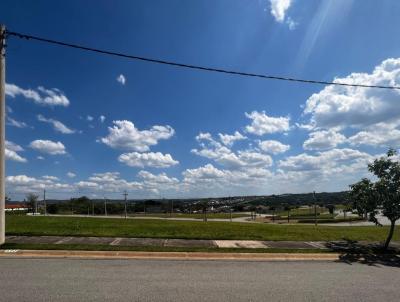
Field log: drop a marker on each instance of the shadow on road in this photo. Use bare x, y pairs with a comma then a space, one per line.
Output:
371, 254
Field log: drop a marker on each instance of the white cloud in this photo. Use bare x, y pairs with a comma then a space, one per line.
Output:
89, 118
25, 184
329, 163
273, 147
339, 106
373, 111
50, 177
380, 135
47, 146
57, 125
121, 79
291, 23
102, 118
71, 174
41, 96
12, 155
228, 140
324, 139
151, 159
155, 180
279, 8
40, 157
224, 156
264, 124
11, 150
124, 135
13, 146
207, 172
15, 123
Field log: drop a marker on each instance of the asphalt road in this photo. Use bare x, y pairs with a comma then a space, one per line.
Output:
162, 280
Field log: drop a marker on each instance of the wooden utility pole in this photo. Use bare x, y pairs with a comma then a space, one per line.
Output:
2, 131
105, 207
126, 210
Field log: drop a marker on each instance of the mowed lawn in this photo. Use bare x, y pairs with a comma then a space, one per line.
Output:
72, 226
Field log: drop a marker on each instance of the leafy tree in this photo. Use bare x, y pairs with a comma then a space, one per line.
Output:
331, 208
384, 194
31, 201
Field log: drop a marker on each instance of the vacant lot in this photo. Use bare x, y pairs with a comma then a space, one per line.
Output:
26, 225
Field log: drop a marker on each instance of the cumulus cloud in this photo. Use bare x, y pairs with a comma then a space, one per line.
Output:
224, 156
375, 112
331, 162
154, 180
57, 125
228, 140
71, 174
48, 147
324, 139
121, 79
89, 118
279, 8
124, 135
41, 96
151, 159
11, 150
102, 118
15, 123
273, 147
263, 124
340, 106
24, 183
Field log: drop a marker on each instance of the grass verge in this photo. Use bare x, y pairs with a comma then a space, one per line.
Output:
143, 228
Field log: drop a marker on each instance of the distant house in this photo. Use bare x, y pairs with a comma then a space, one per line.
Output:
16, 207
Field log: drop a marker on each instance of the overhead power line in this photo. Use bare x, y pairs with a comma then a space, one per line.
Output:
190, 66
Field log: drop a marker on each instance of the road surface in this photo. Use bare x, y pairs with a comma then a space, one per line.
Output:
176, 280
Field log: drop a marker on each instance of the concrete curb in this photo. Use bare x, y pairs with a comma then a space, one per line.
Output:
169, 255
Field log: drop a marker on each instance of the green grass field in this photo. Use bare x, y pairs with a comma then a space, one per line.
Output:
71, 226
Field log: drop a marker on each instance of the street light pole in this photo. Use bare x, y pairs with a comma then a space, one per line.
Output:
45, 202
2, 131
315, 209
126, 213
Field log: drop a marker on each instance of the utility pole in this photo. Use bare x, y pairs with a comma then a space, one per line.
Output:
2, 131
172, 208
315, 209
44, 201
105, 206
125, 195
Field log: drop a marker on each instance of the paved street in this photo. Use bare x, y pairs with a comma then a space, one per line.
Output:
162, 280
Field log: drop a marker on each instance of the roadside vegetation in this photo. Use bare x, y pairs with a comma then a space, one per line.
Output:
147, 228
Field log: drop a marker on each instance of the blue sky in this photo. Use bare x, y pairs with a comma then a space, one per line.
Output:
82, 123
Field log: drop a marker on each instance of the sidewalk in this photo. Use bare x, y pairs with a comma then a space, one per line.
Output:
190, 243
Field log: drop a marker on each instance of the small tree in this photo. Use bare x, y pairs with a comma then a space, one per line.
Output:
368, 197
331, 208
31, 201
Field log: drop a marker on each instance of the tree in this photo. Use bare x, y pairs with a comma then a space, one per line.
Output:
287, 208
384, 194
31, 201
331, 208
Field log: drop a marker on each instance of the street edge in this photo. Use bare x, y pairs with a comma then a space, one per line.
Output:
169, 255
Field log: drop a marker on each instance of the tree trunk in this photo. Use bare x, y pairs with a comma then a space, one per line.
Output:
390, 235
